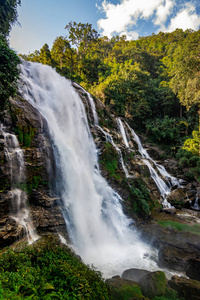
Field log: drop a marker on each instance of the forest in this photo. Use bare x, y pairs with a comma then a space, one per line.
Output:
154, 82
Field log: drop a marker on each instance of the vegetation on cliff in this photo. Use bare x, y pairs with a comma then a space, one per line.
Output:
153, 82
48, 271
8, 58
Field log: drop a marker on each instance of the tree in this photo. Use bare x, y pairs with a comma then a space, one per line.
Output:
185, 70
8, 15
8, 72
81, 34
193, 145
45, 55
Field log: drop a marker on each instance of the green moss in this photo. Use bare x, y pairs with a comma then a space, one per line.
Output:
25, 135
139, 198
126, 292
34, 184
181, 227
109, 159
169, 295
161, 282
104, 118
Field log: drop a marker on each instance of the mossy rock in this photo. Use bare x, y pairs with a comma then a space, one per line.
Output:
153, 284
122, 289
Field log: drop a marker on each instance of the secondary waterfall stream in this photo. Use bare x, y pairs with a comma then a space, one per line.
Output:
99, 231
19, 211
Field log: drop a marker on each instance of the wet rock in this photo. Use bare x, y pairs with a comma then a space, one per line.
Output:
174, 258
170, 210
176, 248
193, 269
123, 288
134, 274
177, 198
153, 284
186, 288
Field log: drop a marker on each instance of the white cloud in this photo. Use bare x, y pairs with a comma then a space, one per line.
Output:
130, 35
163, 11
185, 19
121, 18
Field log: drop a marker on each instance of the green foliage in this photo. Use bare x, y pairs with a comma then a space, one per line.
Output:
181, 227
139, 198
169, 295
8, 15
109, 159
169, 131
25, 135
186, 159
9, 72
153, 82
81, 35
48, 272
126, 292
193, 145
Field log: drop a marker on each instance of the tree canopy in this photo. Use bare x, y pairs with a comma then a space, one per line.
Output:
8, 15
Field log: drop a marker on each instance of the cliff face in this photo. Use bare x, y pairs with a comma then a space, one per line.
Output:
121, 164
24, 121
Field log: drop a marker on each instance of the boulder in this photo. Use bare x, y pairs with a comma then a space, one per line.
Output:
124, 289
153, 284
134, 274
186, 288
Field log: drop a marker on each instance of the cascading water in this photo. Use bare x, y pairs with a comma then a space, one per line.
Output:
92, 105
110, 140
100, 232
153, 167
18, 198
122, 131
196, 203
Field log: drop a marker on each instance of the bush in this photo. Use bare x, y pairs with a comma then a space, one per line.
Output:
9, 72
48, 272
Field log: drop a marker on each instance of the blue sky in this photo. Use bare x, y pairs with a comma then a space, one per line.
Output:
43, 20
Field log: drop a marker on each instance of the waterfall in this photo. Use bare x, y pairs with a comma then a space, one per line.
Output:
92, 105
99, 231
122, 131
19, 211
196, 203
110, 140
155, 169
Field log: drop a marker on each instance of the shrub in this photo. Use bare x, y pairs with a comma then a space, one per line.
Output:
9, 72
48, 272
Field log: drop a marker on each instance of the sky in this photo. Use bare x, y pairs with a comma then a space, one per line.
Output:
41, 21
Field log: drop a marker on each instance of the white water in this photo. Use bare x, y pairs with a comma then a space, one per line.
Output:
154, 168
92, 105
122, 131
100, 232
110, 140
18, 198
196, 203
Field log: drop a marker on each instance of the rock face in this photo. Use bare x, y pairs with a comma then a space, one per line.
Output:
121, 165
30, 128
188, 289
193, 269
178, 250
